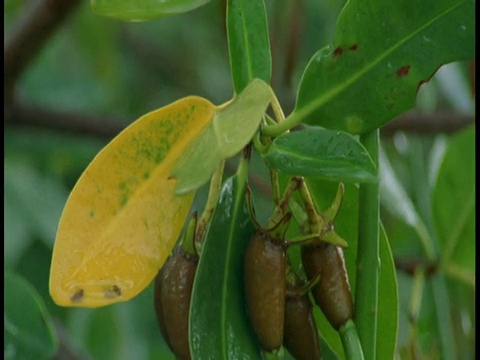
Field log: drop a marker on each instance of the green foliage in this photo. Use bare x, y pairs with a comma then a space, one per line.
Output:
249, 45
321, 153
370, 61
373, 61
453, 204
28, 328
218, 327
144, 9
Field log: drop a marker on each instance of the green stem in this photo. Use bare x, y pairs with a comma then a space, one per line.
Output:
281, 127
275, 187
368, 260
350, 341
315, 224
188, 241
282, 205
277, 109
242, 170
213, 194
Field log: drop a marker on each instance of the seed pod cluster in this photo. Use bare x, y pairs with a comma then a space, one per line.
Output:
172, 295
332, 292
300, 332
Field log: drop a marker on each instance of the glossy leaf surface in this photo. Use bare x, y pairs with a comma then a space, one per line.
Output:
122, 217
248, 42
233, 126
219, 327
346, 224
454, 207
143, 9
28, 329
382, 52
321, 153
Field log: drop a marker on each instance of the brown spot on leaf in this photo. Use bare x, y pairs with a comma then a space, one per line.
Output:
77, 296
403, 70
113, 291
337, 52
354, 47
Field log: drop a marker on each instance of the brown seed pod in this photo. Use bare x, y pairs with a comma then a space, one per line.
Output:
157, 302
332, 292
300, 332
172, 294
265, 288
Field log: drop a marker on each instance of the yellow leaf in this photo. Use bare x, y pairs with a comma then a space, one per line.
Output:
122, 217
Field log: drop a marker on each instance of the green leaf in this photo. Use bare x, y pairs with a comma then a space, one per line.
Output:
382, 52
346, 224
248, 42
395, 198
453, 204
233, 126
219, 327
28, 329
143, 9
35, 199
321, 153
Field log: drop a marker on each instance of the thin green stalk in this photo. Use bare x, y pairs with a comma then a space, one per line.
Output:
188, 240
213, 194
350, 341
242, 169
283, 126
368, 260
277, 109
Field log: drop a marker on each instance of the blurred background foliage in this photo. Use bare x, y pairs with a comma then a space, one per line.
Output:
117, 71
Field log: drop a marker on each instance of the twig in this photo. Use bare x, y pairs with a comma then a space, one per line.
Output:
29, 35
445, 122
81, 124
23, 114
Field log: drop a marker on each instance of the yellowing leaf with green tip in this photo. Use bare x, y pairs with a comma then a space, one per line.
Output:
122, 217
232, 128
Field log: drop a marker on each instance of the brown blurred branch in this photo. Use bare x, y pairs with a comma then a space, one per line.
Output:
29, 34
441, 122
21, 114
36, 117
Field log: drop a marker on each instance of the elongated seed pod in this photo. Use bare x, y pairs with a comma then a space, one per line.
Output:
332, 292
173, 290
157, 302
265, 288
300, 332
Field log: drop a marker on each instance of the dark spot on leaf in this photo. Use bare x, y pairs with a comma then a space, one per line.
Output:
353, 47
92, 213
403, 70
77, 296
112, 291
146, 175
337, 52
